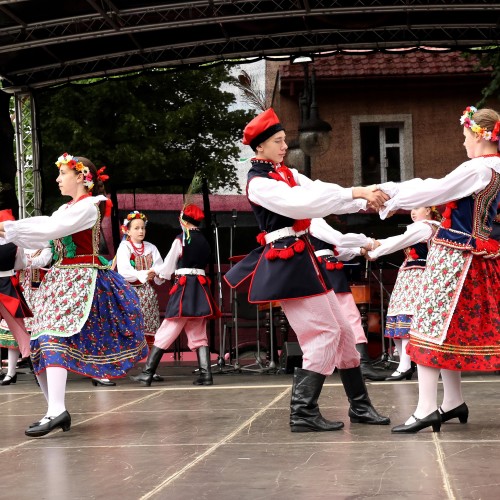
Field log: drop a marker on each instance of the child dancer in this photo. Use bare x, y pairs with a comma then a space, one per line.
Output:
87, 318
416, 241
191, 304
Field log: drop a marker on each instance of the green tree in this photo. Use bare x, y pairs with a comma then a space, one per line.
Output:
150, 127
491, 60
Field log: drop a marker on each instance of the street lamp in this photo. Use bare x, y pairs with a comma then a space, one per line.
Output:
314, 133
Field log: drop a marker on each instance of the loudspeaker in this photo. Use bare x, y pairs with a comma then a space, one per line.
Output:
291, 356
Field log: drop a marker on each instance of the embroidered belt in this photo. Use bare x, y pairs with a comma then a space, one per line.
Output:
283, 233
189, 271
3, 274
324, 253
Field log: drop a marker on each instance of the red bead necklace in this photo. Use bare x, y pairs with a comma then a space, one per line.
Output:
137, 250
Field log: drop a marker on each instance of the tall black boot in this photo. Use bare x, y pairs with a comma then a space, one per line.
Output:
366, 367
304, 410
205, 370
361, 410
154, 358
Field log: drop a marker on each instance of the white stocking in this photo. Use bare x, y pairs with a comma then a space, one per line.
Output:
13, 356
404, 358
56, 386
427, 392
42, 382
452, 385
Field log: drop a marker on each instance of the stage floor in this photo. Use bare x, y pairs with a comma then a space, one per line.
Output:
232, 440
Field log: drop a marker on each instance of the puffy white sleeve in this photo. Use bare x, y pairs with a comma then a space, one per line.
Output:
41, 260
470, 177
313, 199
415, 233
34, 232
169, 265
324, 232
347, 254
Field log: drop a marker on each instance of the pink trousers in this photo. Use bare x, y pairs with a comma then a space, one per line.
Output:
323, 332
170, 329
351, 312
18, 330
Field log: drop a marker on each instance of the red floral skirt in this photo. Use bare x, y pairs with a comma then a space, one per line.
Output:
473, 339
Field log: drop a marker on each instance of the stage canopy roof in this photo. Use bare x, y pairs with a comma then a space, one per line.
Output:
44, 43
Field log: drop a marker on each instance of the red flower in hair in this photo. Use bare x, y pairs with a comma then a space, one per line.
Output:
496, 131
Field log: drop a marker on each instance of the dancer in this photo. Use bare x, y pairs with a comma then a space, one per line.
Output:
416, 241
13, 307
135, 259
456, 325
331, 247
87, 318
190, 304
285, 269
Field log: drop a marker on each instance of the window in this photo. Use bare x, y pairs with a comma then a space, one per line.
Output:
382, 148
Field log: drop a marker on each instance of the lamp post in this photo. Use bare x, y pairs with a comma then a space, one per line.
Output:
314, 133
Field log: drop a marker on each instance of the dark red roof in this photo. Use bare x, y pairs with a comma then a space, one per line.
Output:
379, 64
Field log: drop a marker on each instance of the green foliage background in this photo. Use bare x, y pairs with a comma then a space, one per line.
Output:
149, 127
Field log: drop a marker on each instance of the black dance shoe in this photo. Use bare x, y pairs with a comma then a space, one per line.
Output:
63, 421
461, 412
408, 374
157, 378
102, 381
433, 419
7, 380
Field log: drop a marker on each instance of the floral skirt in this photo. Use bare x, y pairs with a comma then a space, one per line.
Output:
398, 327
111, 341
473, 338
150, 308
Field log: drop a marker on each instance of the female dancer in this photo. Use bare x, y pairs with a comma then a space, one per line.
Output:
87, 319
462, 275
190, 304
13, 308
284, 268
416, 241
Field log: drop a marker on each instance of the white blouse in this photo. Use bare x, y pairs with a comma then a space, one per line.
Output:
125, 268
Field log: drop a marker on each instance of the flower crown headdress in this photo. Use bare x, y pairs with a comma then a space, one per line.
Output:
467, 121
133, 216
75, 164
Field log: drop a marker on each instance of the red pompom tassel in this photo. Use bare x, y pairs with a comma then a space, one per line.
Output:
261, 238
202, 279
272, 254
330, 266
286, 253
301, 225
173, 289
339, 265
320, 260
299, 246
182, 280
414, 254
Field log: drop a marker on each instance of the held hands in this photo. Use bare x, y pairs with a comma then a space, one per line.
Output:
151, 274
372, 194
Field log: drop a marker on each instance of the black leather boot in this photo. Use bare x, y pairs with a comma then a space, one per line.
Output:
304, 410
205, 370
154, 358
366, 366
361, 410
